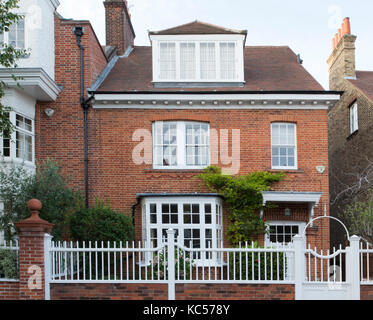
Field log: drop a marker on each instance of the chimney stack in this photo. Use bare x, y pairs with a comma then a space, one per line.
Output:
119, 29
342, 60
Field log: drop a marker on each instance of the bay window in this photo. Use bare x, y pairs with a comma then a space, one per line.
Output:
197, 220
15, 37
181, 145
20, 144
284, 146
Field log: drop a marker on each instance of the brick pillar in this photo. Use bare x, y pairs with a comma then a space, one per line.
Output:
31, 233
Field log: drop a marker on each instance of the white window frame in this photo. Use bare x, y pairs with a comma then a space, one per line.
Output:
354, 118
181, 146
215, 203
13, 152
6, 35
295, 167
198, 39
300, 224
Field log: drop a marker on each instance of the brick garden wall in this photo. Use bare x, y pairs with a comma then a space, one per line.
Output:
9, 290
183, 292
366, 292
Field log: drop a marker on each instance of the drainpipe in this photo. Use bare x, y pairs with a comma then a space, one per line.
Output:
79, 32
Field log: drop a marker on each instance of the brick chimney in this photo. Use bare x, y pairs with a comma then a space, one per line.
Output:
342, 60
119, 29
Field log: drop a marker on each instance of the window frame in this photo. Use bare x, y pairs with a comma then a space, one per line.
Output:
300, 224
198, 39
13, 151
181, 145
295, 167
181, 226
354, 118
6, 34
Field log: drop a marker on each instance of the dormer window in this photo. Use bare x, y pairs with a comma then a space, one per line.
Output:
211, 55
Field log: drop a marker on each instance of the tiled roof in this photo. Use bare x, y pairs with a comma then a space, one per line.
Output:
364, 82
267, 68
197, 27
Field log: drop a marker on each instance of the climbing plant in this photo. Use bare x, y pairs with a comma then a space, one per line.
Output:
243, 196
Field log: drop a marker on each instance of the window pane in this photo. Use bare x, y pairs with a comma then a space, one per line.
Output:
167, 61
227, 60
187, 61
283, 145
208, 61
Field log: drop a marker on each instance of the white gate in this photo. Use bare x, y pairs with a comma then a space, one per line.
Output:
327, 275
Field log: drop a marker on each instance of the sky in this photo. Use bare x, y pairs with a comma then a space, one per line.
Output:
307, 27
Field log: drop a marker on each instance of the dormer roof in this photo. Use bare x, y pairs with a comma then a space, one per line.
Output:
197, 27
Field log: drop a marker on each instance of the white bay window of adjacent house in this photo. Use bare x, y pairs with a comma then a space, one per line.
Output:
284, 146
198, 222
15, 37
20, 144
181, 145
198, 61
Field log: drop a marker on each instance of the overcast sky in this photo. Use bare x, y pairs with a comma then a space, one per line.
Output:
306, 26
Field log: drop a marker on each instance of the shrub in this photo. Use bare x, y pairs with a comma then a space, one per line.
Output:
18, 186
101, 223
8, 264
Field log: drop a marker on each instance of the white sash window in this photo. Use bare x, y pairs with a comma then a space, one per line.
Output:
354, 120
284, 146
181, 145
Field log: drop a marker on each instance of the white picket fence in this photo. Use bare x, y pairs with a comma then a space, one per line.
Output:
9, 248
313, 272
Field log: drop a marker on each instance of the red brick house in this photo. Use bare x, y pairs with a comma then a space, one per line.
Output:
158, 115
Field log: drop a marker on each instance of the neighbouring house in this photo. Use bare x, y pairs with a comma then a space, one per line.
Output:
350, 127
159, 114
35, 33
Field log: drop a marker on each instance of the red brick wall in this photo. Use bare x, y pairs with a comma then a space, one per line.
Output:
366, 292
113, 174
109, 291
183, 292
9, 290
61, 137
235, 292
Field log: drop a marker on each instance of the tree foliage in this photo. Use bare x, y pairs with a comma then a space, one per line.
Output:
243, 196
18, 186
8, 58
359, 218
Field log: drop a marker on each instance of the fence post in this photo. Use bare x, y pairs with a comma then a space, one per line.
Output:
354, 270
299, 245
171, 263
32, 272
47, 265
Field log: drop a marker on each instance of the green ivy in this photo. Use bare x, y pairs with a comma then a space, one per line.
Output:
243, 196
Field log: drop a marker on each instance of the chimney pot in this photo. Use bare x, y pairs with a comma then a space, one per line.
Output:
346, 26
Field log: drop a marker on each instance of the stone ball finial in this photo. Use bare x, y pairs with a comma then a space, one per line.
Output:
34, 205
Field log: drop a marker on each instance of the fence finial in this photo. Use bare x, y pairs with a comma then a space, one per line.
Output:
35, 206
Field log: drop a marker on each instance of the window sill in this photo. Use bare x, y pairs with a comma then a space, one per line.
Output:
286, 170
352, 135
174, 170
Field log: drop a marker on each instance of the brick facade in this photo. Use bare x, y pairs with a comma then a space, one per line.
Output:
348, 153
61, 137
9, 290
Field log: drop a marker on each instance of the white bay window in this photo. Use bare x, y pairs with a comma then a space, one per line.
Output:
20, 144
198, 221
181, 145
15, 37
